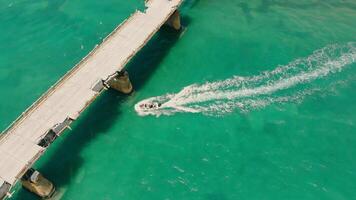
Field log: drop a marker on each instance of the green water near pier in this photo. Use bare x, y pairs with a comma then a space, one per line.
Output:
291, 150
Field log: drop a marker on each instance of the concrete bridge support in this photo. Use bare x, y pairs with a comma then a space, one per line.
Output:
36, 183
121, 82
174, 21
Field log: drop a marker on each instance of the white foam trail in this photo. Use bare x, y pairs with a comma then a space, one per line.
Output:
246, 93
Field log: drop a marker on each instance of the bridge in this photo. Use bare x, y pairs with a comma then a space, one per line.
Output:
28, 137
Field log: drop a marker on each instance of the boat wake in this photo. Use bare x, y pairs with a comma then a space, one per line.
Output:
291, 82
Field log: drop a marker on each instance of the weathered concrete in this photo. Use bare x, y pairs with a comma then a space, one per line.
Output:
120, 82
174, 21
35, 182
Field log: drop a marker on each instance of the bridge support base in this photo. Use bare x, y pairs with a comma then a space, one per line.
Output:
36, 183
121, 82
174, 21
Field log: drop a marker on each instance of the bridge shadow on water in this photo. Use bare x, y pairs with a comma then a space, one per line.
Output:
65, 160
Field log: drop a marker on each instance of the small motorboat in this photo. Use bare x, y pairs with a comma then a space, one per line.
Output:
150, 105
153, 106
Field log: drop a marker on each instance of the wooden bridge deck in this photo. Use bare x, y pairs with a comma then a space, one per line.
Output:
64, 101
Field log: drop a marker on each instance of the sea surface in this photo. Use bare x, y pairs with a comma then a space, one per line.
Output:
262, 100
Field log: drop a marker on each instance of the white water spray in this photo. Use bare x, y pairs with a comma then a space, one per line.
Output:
246, 93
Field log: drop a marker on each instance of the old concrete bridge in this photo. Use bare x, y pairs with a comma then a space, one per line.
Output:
28, 137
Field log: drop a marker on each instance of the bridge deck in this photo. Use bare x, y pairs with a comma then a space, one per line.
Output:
19, 147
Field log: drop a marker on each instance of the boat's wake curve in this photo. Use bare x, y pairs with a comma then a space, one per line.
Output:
286, 83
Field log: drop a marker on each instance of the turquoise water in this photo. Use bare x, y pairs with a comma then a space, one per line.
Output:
295, 149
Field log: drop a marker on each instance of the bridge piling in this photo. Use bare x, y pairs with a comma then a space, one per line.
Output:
174, 21
36, 183
121, 82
